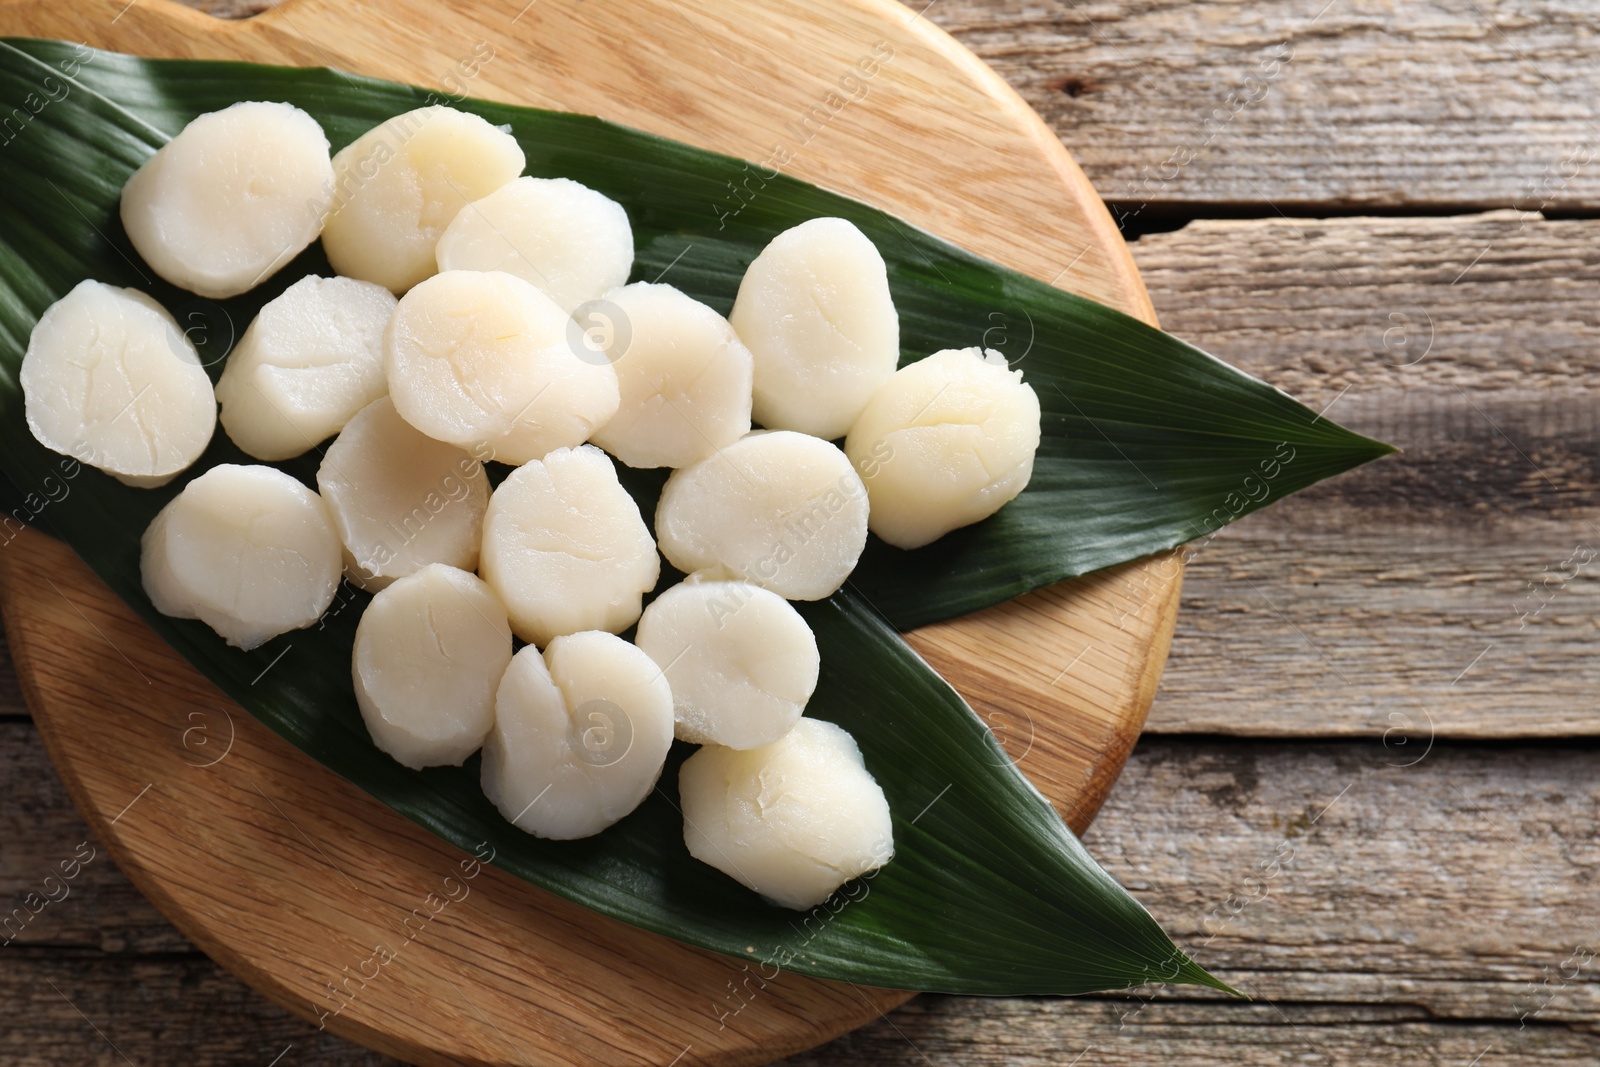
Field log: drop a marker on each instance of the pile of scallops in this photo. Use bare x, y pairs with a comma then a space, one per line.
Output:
480, 316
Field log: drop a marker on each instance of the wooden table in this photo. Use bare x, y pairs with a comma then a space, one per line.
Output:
1368, 794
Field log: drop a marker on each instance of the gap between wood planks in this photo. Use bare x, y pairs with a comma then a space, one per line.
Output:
1136, 220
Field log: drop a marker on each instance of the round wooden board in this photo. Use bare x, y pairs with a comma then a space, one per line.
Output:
288, 875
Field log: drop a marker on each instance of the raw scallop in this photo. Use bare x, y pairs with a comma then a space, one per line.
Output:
401, 500
236, 195
430, 651
793, 820
814, 309
741, 661
310, 360
109, 379
398, 186
947, 441
484, 361
781, 509
248, 551
580, 735
565, 547
683, 374
565, 239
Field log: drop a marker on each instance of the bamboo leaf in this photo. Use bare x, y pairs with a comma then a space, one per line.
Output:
1147, 439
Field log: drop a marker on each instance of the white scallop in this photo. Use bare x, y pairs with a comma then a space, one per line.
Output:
109, 379
781, 509
430, 651
683, 374
484, 361
580, 735
947, 441
793, 820
814, 309
741, 661
248, 551
311, 359
565, 547
236, 195
400, 500
399, 185
568, 241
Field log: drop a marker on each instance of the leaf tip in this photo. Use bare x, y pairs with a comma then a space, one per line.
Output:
1384, 448
1191, 973
1370, 448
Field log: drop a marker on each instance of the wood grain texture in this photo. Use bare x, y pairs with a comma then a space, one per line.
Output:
1307, 104
1030, 1033
1377, 912
151, 1007
287, 876
1359, 606
70, 1010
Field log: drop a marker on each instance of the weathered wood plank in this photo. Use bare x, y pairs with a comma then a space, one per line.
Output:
1428, 898
68, 1011
1180, 106
1322, 872
1472, 343
1300, 622
1488, 303
1030, 1033
58, 886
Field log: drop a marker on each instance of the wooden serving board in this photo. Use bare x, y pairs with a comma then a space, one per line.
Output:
288, 875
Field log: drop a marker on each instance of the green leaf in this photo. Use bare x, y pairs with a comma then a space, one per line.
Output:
1145, 438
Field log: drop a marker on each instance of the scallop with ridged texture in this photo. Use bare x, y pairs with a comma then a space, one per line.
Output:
484, 361
815, 310
741, 661
398, 186
401, 500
